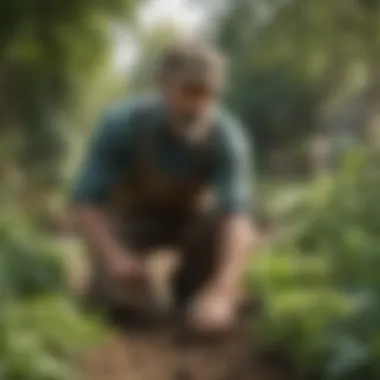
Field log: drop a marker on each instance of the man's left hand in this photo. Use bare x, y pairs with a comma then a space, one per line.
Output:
213, 311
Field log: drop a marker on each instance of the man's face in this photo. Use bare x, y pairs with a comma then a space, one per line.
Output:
190, 105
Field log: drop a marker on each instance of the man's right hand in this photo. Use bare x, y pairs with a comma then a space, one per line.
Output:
129, 278
124, 269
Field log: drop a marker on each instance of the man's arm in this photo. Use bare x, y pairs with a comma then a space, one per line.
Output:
215, 308
94, 227
104, 164
233, 185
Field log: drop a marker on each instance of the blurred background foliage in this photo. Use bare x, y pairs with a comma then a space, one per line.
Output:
305, 80
319, 276
42, 330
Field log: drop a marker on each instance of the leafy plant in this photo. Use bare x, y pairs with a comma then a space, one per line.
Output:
42, 330
321, 283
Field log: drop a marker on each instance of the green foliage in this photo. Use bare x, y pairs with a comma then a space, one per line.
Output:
289, 59
49, 53
321, 283
42, 330
28, 266
41, 338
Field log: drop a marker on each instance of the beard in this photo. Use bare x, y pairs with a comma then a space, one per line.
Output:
190, 128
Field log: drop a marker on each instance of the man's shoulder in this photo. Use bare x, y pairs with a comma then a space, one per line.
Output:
123, 120
133, 108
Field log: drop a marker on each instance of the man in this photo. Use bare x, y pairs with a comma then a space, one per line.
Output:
147, 170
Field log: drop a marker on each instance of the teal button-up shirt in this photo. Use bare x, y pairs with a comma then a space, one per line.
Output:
115, 145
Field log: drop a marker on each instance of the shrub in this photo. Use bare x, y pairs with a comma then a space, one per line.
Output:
321, 282
42, 331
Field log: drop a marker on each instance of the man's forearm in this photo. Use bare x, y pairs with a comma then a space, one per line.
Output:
234, 245
93, 225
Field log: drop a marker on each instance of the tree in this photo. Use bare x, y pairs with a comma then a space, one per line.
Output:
289, 59
49, 52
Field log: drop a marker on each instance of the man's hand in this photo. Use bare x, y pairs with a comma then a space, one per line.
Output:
213, 311
216, 307
123, 268
128, 277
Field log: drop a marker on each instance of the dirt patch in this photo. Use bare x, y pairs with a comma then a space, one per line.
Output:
163, 350
166, 352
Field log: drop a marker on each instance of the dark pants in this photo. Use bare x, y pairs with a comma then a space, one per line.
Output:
193, 238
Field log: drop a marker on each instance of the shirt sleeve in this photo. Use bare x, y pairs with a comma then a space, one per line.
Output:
103, 163
233, 173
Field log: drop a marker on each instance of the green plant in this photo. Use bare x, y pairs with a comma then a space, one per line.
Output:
321, 282
42, 330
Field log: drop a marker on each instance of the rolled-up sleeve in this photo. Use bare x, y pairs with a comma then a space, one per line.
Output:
102, 165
